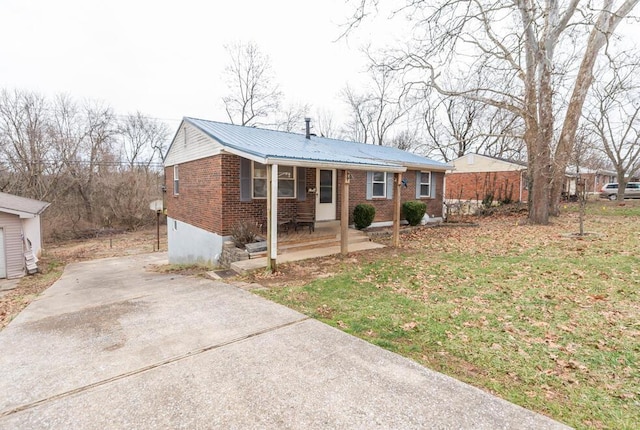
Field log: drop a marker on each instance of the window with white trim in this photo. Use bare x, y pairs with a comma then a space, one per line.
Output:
379, 184
425, 184
286, 181
176, 180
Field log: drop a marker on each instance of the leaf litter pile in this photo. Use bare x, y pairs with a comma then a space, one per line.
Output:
532, 314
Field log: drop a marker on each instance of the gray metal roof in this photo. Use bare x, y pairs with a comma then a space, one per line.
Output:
12, 204
278, 146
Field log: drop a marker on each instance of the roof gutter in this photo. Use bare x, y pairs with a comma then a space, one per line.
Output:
335, 165
438, 167
312, 163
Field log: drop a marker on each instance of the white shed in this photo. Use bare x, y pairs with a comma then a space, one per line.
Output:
20, 234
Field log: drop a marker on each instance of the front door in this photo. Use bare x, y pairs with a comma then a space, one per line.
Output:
325, 194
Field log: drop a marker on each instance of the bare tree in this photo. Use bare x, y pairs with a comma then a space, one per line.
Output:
253, 95
292, 117
521, 47
26, 144
143, 139
324, 124
357, 127
377, 110
96, 159
614, 117
63, 152
456, 126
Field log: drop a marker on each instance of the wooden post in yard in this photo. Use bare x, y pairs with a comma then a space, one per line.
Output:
272, 217
397, 182
344, 214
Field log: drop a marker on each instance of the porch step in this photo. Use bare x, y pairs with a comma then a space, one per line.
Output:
258, 263
320, 246
317, 241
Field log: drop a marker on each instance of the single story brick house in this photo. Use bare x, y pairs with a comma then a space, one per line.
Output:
20, 235
475, 176
219, 174
594, 179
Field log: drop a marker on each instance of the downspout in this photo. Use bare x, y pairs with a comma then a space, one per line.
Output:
444, 194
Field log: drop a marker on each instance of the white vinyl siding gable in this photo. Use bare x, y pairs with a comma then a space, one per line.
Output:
190, 144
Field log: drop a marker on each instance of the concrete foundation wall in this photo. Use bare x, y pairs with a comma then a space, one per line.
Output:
189, 244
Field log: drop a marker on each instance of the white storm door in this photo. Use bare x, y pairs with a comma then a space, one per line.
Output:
325, 194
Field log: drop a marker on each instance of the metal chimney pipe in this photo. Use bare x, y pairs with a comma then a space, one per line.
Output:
307, 128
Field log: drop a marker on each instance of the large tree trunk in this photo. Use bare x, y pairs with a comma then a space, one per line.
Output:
601, 31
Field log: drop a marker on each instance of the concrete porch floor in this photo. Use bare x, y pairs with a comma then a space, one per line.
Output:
303, 245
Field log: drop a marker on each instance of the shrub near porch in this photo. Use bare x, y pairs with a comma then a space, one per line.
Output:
521, 311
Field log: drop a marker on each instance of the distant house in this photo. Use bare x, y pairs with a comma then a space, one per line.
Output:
218, 175
478, 177
20, 235
594, 179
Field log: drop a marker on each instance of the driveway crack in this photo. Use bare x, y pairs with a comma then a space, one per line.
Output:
156, 365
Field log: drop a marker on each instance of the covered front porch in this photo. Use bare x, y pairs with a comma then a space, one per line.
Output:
332, 203
324, 240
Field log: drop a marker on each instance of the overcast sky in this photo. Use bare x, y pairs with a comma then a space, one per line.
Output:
165, 58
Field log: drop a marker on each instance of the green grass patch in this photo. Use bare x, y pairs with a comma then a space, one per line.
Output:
545, 321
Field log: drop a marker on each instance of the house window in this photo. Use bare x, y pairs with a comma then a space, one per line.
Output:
286, 181
425, 184
379, 182
176, 180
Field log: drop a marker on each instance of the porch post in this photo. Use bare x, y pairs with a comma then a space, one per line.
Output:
344, 214
272, 217
397, 182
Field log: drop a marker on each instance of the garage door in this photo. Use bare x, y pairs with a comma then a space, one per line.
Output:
3, 263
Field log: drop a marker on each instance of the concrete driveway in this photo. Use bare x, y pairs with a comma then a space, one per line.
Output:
113, 345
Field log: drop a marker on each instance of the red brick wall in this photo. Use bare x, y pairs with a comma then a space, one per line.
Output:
198, 201
475, 186
384, 207
210, 195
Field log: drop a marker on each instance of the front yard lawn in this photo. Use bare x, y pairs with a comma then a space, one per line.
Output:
538, 317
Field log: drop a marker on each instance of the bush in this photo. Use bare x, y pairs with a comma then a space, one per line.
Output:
244, 232
363, 215
414, 211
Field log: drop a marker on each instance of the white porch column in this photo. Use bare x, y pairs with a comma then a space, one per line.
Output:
397, 183
272, 217
344, 213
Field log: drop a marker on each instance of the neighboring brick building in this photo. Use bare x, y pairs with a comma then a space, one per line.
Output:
477, 177
216, 176
594, 179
